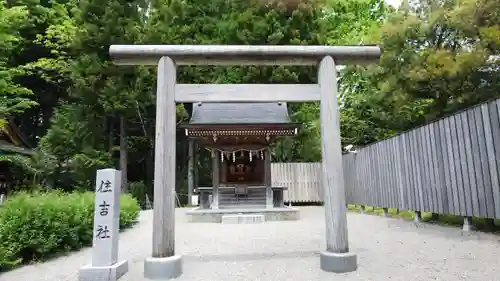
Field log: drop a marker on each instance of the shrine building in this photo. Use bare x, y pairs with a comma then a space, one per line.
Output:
238, 136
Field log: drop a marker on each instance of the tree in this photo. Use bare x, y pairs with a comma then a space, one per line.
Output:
439, 57
237, 22
347, 22
14, 98
101, 94
39, 57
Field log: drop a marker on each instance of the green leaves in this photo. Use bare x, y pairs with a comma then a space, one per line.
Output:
11, 19
41, 225
435, 61
56, 77
14, 98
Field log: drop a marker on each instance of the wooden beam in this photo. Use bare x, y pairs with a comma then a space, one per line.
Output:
241, 133
215, 178
226, 93
241, 54
267, 178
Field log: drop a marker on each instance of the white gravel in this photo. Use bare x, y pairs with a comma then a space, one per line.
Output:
388, 249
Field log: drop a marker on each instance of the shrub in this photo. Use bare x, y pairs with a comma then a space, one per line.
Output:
138, 190
36, 226
129, 211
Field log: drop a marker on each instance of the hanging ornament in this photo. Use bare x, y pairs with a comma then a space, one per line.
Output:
250, 156
261, 155
234, 157
222, 156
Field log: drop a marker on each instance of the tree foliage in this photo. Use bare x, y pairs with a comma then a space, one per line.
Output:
84, 112
13, 96
439, 57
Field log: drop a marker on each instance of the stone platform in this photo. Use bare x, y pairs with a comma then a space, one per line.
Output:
215, 215
243, 219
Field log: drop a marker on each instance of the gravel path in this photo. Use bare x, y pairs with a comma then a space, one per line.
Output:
387, 249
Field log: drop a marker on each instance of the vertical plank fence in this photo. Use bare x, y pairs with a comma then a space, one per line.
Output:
449, 166
303, 181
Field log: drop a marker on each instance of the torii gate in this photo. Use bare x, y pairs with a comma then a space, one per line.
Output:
164, 262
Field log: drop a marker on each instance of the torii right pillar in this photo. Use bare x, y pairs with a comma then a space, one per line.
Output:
337, 257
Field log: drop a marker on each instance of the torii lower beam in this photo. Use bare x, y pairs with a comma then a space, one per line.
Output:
165, 264
192, 93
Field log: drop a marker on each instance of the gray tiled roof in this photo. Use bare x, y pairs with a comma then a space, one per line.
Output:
240, 113
10, 148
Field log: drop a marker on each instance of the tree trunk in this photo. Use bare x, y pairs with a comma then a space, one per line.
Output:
123, 153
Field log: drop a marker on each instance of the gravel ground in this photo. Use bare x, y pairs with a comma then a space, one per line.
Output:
388, 249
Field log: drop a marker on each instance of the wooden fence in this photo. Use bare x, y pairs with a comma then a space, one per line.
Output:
448, 166
302, 179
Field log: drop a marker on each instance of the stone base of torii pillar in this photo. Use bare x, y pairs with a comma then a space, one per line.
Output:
163, 268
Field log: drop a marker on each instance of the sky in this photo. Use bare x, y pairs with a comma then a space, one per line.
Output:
394, 3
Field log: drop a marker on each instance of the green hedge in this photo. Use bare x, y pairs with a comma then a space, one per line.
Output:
38, 226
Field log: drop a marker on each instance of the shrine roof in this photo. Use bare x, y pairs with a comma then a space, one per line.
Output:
240, 113
12, 140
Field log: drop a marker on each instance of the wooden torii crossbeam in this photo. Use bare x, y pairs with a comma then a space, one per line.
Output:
164, 262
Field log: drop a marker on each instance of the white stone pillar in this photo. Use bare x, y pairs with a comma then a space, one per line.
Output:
164, 264
336, 258
105, 264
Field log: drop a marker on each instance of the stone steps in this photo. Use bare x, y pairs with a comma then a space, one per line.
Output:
256, 198
246, 206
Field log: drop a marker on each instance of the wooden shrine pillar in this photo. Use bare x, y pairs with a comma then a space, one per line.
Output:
336, 258
191, 176
215, 179
267, 178
195, 169
164, 263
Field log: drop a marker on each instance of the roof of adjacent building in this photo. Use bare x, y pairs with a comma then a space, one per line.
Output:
11, 148
239, 113
12, 140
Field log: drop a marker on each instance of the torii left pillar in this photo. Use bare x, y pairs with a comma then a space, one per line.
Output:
164, 264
